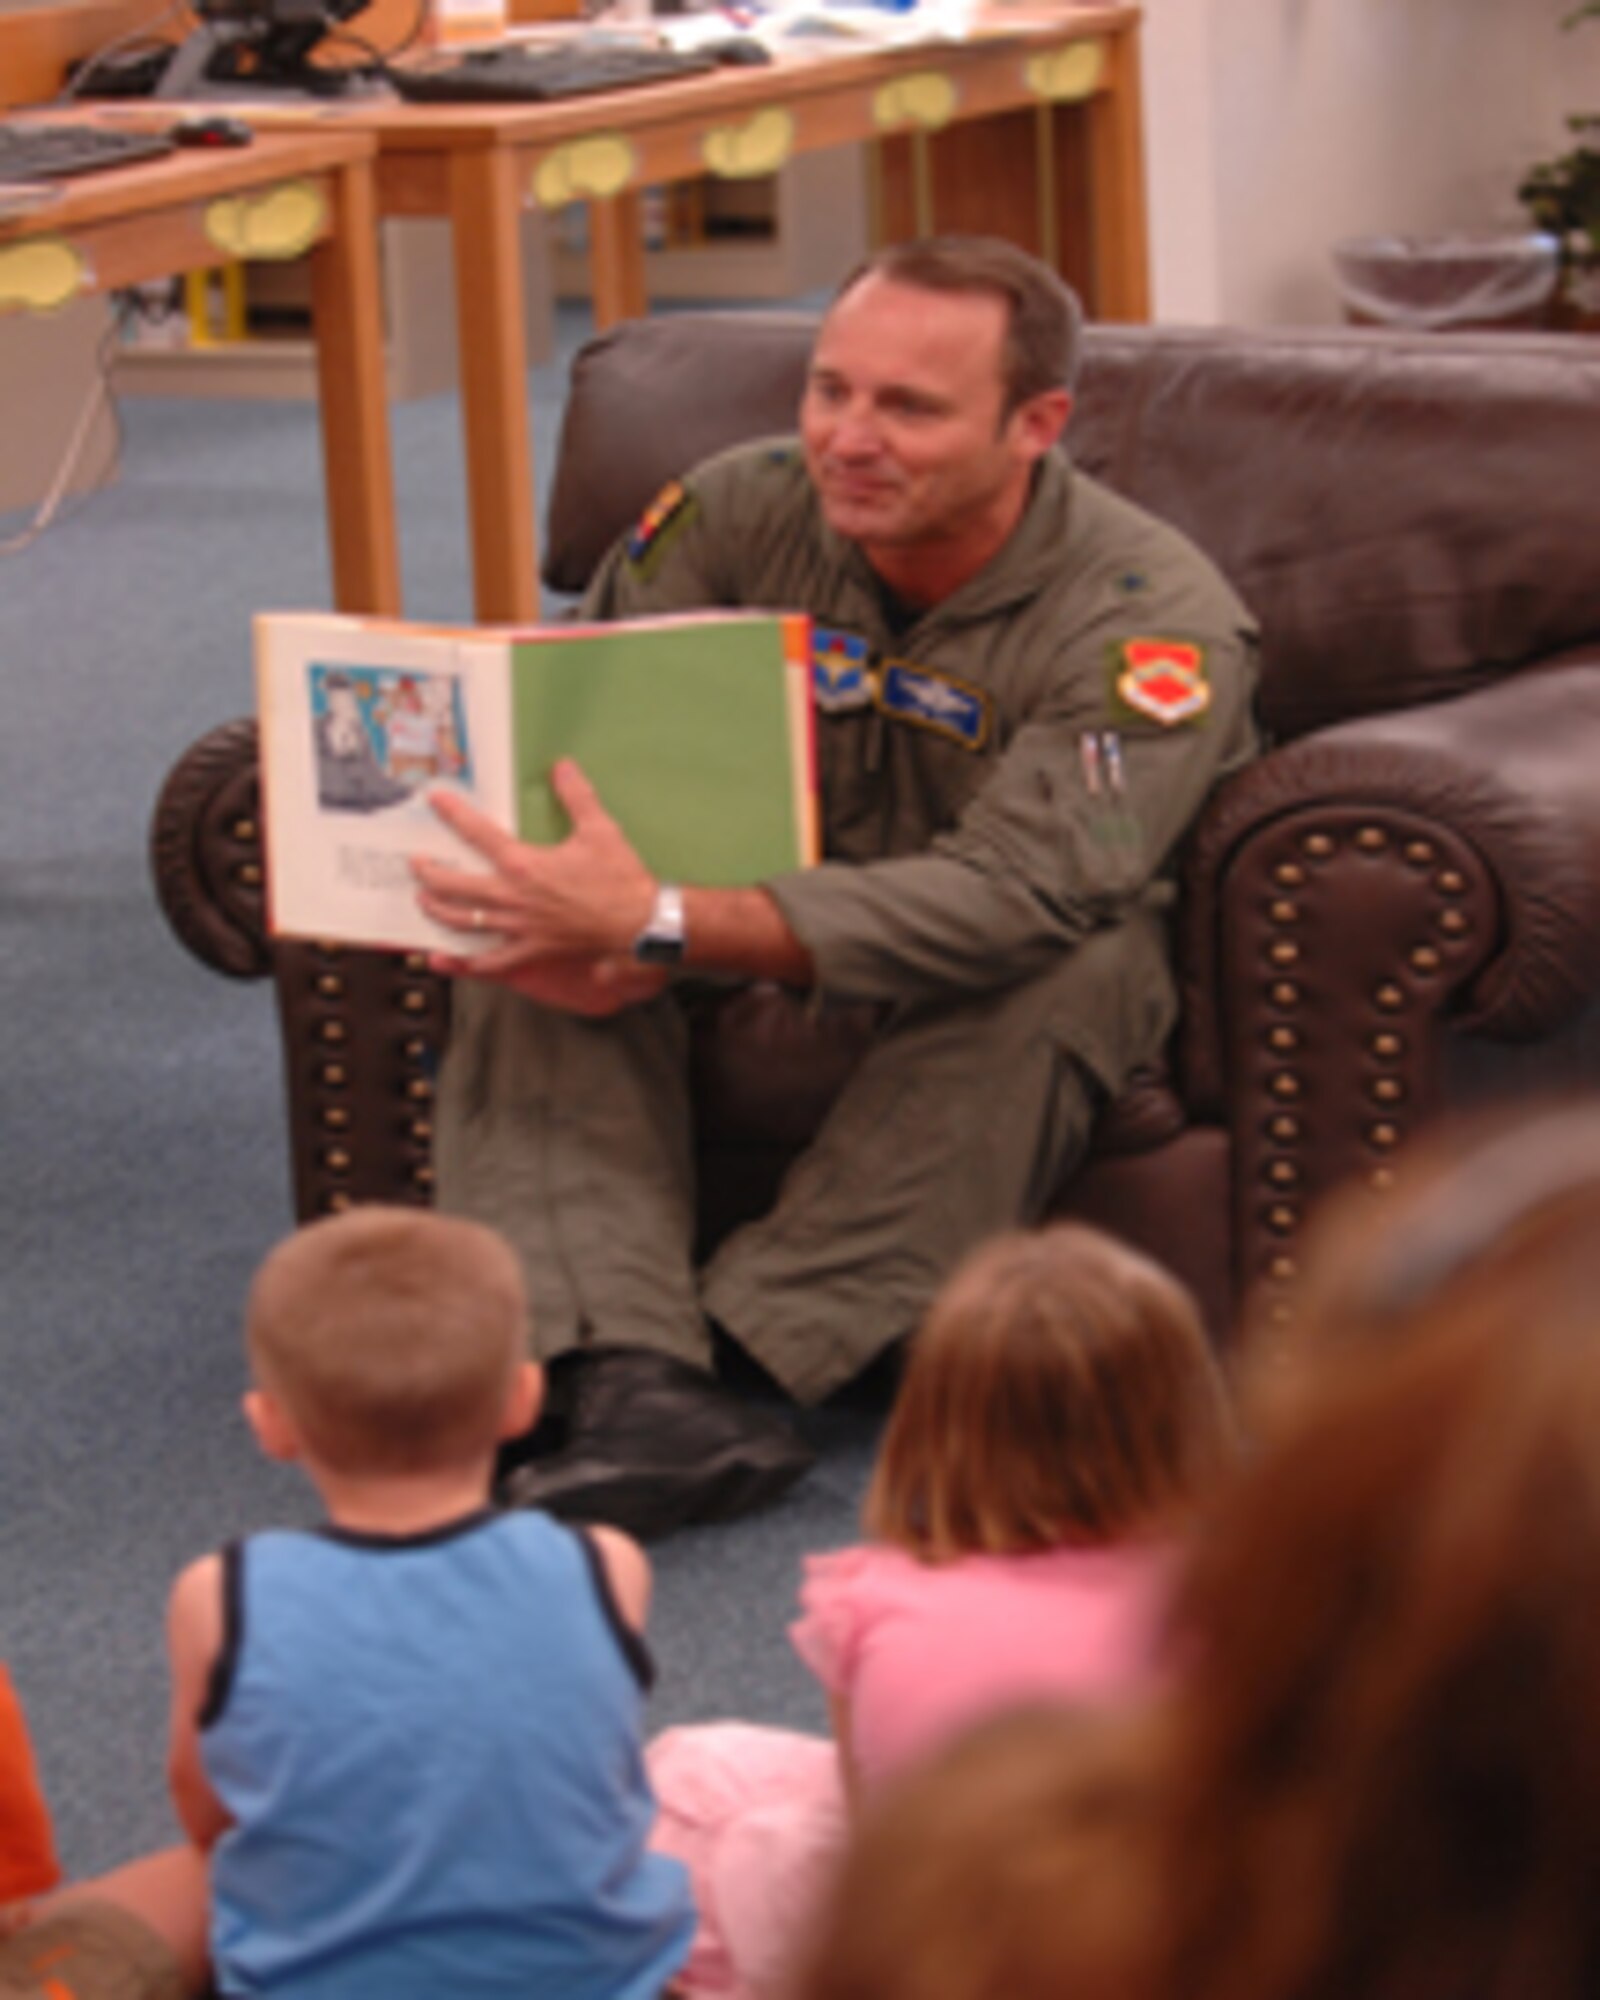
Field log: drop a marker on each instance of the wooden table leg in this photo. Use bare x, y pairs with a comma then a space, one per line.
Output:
494, 383
358, 468
616, 259
1120, 248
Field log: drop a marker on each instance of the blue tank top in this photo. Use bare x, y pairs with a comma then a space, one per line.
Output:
430, 1748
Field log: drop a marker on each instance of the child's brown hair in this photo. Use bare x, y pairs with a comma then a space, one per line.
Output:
390, 1336
1061, 1390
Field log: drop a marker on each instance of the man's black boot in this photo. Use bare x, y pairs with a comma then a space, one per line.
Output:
652, 1444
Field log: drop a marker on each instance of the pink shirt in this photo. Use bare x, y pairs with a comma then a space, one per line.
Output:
919, 1650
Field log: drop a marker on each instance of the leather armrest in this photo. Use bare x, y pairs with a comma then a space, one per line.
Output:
361, 1030
205, 853
1354, 898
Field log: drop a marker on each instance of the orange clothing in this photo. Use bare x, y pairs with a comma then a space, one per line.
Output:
28, 1863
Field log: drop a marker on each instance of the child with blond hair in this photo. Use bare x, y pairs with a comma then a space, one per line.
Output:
1060, 1416
410, 1738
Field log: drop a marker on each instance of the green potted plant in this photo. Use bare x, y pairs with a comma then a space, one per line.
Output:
1563, 197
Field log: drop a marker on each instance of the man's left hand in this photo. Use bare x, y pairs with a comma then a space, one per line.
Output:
564, 917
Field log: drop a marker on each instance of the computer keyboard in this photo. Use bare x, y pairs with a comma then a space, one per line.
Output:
516, 74
44, 152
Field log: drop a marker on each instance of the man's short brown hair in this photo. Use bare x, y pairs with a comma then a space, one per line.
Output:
1044, 321
390, 1336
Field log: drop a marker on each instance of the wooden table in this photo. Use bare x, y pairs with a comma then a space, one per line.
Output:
286, 193
1031, 131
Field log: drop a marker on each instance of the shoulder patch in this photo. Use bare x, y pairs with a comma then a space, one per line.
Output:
671, 507
934, 701
1163, 680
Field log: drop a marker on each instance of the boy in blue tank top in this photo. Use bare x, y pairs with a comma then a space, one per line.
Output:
410, 1738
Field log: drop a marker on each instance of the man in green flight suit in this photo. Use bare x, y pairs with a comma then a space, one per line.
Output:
1026, 688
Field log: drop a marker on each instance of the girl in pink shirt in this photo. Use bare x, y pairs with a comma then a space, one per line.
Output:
1060, 1413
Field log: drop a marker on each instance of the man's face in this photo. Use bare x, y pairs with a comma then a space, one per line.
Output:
901, 419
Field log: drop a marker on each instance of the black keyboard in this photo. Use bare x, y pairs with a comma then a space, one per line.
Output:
514, 74
30, 152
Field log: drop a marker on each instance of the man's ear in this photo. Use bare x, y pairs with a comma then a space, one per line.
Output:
269, 1422
1039, 422
524, 1400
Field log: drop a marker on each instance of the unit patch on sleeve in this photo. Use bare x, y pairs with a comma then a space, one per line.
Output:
669, 510
841, 670
1162, 679
934, 701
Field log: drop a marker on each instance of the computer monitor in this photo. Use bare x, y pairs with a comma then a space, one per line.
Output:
247, 46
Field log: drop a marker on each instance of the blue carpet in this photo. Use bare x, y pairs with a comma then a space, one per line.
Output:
146, 1168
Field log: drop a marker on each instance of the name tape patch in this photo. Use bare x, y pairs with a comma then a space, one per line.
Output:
934, 701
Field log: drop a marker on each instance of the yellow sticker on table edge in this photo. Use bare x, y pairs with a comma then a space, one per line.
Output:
926, 98
1061, 75
281, 221
590, 169
759, 146
41, 274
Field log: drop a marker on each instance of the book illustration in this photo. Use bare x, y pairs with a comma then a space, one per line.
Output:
382, 734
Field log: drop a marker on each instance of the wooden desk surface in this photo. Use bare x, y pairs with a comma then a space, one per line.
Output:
187, 175
306, 191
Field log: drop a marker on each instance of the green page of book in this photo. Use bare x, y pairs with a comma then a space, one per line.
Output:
683, 730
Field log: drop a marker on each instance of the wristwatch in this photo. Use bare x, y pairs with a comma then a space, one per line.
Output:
662, 940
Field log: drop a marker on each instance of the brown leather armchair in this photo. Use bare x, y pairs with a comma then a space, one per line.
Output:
1415, 867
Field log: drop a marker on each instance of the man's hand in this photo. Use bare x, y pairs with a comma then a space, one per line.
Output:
565, 916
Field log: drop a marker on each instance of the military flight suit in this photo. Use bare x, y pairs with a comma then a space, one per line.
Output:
1003, 780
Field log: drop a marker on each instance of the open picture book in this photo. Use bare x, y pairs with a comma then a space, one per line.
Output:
696, 731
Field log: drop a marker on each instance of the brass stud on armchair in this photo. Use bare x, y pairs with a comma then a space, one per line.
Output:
1319, 846
1372, 839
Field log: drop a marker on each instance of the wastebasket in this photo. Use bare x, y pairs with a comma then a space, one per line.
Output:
1429, 282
